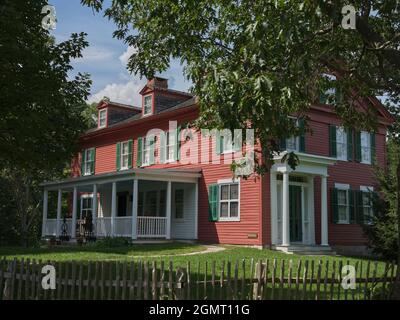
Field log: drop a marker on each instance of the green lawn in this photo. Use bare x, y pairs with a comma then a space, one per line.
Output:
171, 251
93, 253
205, 264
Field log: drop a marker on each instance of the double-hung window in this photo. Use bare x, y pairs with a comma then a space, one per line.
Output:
179, 201
148, 105
229, 201
124, 155
146, 151
86, 206
366, 204
365, 138
343, 203
341, 143
88, 161
170, 145
102, 118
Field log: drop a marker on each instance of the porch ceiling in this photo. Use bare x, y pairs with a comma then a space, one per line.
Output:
174, 175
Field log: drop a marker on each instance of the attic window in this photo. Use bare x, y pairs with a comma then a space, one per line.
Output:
102, 118
147, 107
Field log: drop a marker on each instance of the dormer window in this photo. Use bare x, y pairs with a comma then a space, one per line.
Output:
102, 118
148, 105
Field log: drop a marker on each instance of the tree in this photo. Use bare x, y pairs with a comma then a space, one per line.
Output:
259, 61
383, 231
41, 106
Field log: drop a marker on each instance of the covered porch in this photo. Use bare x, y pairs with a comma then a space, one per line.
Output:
136, 203
293, 199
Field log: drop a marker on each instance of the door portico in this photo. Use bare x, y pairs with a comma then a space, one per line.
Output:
292, 200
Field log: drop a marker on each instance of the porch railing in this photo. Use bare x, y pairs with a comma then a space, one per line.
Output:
51, 226
123, 226
151, 227
103, 226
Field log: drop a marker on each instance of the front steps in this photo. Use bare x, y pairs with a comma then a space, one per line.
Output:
304, 249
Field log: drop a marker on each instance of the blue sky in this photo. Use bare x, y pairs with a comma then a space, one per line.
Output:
105, 58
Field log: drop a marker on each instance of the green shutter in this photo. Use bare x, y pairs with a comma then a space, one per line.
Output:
130, 142
139, 152
93, 156
373, 147
332, 141
163, 146
177, 150
218, 143
213, 202
357, 146
350, 134
352, 211
151, 156
334, 205
83, 157
338, 95
302, 139
282, 144
118, 156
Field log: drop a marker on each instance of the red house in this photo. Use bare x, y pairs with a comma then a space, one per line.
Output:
139, 175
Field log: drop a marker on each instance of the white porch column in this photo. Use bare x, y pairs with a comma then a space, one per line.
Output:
94, 209
45, 206
274, 209
168, 204
59, 207
113, 207
196, 211
324, 212
311, 217
134, 208
285, 210
74, 207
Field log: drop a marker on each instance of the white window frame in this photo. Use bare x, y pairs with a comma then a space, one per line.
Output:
87, 163
220, 184
230, 144
367, 189
151, 105
170, 145
146, 149
344, 156
344, 187
122, 155
368, 147
84, 197
296, 139
102, 111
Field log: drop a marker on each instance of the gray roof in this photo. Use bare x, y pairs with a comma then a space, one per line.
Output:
190, 102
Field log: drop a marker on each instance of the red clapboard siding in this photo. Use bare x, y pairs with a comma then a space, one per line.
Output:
255, 206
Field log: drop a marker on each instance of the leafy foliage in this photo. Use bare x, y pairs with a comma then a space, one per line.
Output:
254, 62
383, 233
40, 113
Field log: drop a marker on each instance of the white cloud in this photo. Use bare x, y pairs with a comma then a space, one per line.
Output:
95, 54
127, 54
120, 92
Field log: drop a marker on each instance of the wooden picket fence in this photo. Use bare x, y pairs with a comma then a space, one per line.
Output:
258, 280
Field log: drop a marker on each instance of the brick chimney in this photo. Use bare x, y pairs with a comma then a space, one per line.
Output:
158, 82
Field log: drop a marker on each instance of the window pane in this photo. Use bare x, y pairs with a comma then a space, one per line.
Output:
125, 161
234, 209
234, 191
365, 139
225, 192
291, 143
365, 154
342, 213
342, 197
224, 209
